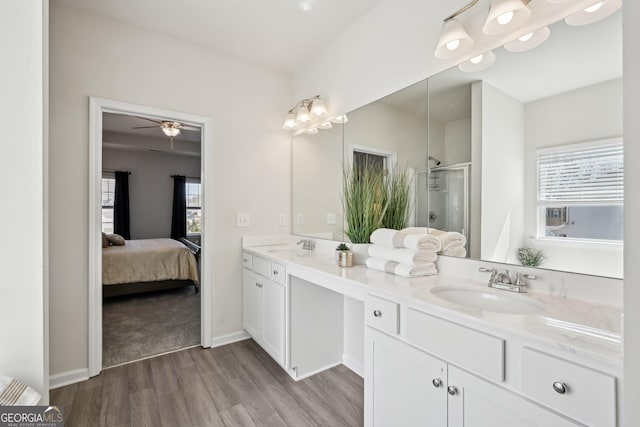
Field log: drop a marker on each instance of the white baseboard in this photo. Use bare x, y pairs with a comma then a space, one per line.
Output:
356, 366
229, 338
69, 377
312, 373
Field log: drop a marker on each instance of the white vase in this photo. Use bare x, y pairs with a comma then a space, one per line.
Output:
360, 252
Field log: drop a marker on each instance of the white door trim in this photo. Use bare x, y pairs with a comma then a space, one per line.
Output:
97, 106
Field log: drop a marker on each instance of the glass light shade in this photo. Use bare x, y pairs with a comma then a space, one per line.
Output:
594, 13
505, 16
302, 114
325, 125
454, 40
340, 119
529, 41
171, 131
478, 63
318, 108
290, 122
311, 131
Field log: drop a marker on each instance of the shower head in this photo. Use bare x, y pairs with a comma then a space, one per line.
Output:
436, 161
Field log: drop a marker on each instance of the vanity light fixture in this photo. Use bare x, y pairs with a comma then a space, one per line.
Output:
505, 16
594, 13
309, 115
454, 40
529, 41
478, 63
341, 119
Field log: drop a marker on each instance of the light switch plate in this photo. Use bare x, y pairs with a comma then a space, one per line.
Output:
331, 218
243, 220
282, 219
300, 219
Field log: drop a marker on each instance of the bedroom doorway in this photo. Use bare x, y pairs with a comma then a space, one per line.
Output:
154, 306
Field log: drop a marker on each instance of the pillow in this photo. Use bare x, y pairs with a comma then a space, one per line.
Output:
116, 239
105, 242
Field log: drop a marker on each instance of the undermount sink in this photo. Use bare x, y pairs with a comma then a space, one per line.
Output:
489, 300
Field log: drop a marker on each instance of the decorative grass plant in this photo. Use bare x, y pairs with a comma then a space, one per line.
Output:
363, 199
397, 198
530, 257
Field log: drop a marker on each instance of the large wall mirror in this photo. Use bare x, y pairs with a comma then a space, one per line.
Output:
481, 145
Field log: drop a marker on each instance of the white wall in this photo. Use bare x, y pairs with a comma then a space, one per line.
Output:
502, 169
457, 141
586, 114
150, 186
250, 170
23, 295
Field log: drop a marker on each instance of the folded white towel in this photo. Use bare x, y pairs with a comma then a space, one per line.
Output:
402, 239
402, 255
457, 251
15, 393
404, 270
447, 239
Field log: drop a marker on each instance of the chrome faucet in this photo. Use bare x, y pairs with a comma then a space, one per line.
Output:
504, 281
307, 244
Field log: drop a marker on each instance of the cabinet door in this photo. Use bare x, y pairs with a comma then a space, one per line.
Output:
478, 403
252, 304
273, 318
399, 384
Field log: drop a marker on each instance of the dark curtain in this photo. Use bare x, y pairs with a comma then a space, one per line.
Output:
179, 217
121, 206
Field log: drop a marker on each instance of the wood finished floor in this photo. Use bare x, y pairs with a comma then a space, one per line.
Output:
234, 385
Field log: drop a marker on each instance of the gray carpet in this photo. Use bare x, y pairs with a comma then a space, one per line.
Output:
137, 326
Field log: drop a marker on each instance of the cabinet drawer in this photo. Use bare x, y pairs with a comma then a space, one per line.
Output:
278, 273
247, 260
469, 349
589, 396
262, 266
381, 313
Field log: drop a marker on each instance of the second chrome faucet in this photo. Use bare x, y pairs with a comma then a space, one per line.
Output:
505, 282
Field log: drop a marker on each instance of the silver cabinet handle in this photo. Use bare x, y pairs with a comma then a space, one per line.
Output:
377, 313
437, 382
452, 390
275, 272
560, 388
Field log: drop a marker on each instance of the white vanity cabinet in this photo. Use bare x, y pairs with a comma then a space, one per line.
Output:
264, 304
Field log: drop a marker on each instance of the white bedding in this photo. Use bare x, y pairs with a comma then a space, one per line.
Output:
148, 260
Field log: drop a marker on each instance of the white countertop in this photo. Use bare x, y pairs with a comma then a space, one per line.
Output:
588, 329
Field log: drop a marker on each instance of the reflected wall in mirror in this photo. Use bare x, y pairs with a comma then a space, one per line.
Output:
317, 184
540, 135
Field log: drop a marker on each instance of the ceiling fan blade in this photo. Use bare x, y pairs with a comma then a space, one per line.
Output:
151, 120
144, 127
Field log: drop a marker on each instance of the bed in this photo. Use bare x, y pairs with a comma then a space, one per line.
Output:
148, 265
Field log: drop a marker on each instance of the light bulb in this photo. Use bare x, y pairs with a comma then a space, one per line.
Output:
593, 8
505, 18
526, 37
318, 108
453, 45
476, 59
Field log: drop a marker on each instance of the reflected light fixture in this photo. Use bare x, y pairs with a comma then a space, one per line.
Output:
594, 13
341, 119
308, 115
478, 63
529, 41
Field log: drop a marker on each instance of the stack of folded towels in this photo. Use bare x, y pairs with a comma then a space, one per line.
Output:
412, 252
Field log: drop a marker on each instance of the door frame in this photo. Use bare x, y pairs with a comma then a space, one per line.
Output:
98, 106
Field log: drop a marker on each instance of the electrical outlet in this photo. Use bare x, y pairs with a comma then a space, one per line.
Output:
282, 219
300, 219
243, 220
331, 218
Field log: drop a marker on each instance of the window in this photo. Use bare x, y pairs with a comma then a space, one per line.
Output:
194, 206
108, 196
580, 191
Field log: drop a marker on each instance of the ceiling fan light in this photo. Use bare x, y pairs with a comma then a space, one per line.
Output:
318, 108
478, 63
594, 13
534, 39
171, 129
302, 114
505, 16
454, 40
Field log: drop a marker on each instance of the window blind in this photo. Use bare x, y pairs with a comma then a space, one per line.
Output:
582, 173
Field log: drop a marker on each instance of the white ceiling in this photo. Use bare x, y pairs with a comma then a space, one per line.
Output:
277, 33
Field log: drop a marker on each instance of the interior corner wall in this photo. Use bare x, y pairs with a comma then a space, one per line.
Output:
250, 171
502, 180
23, 78
150, 186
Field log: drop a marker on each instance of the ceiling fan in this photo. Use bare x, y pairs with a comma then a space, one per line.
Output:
168, 127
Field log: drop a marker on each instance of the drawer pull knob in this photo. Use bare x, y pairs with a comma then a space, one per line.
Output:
437, 382
452, 390
275, 272
559, 387
377, 313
